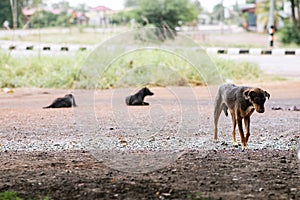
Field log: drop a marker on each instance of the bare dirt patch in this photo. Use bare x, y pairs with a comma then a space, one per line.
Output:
41, 152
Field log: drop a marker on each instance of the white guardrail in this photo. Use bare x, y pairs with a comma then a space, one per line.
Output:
73, 47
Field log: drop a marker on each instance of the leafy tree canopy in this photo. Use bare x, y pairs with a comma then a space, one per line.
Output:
166, 13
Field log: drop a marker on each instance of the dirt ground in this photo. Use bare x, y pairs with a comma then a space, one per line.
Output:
41, 154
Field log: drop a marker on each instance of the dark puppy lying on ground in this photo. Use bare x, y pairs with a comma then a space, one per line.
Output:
241, 101
63, 102
138, 98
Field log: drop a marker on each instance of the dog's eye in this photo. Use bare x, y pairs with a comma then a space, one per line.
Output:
256, 99
259, 100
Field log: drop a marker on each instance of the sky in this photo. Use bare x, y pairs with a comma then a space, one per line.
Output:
119, 4
209, 4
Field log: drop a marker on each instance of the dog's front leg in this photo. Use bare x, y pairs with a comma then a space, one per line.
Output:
243, 139
247, 127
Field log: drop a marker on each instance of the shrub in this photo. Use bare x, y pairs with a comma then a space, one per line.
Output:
290, 34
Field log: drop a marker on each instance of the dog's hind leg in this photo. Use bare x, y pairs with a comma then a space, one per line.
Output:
235, 144
243, 139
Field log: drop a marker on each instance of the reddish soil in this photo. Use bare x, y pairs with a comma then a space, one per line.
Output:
269, 169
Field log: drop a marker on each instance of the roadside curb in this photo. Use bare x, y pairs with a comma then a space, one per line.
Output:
212, 50
253, 51
56, 48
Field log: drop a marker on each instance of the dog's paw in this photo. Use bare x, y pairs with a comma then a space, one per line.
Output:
216, 141
244, 148
235, 144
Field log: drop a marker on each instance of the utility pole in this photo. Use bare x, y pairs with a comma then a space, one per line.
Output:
16, 14
271, 13
14, 11
271, 23
222, 17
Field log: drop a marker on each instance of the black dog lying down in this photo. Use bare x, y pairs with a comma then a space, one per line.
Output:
138, 98
63, 102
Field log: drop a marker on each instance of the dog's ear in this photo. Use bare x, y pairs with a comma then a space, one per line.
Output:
267, 95
247, 94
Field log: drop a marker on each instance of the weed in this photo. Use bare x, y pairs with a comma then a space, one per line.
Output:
9, 195
197, 196
134, 69
44, 72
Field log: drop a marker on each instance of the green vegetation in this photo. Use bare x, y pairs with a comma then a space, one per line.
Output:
45, 72
6, 11
12, 195
290, 34
9, 195
162, 13
167, 14
149, 67
48, 19
154, 68
197, 196
238, 71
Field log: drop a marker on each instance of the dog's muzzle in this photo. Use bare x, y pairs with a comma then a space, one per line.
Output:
262, 110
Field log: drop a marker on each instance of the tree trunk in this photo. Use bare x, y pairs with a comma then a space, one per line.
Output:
298, 2
293, 11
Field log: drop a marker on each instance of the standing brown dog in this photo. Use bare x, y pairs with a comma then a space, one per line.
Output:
241, 102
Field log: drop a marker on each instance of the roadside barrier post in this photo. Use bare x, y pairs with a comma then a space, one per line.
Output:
271, 33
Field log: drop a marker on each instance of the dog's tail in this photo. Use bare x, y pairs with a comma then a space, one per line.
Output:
218, 102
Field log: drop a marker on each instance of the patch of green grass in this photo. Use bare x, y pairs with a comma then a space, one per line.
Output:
153, 67
13, 195
9, 195
44, 71
162, 69
149, 67
238, 70
196, 196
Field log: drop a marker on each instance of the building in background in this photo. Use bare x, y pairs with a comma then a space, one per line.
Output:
99, 16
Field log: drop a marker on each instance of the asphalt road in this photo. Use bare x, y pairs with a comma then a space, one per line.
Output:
285, 65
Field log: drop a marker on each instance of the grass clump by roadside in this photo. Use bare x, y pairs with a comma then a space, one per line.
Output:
153, 67
9, 195
137, 68
42, 72
238, 70
158, 68
13, 195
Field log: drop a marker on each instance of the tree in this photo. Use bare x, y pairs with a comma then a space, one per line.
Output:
291, 31
166, 13
6, 9
5, 12
295, 5
131, 3
62, 5
218, 11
